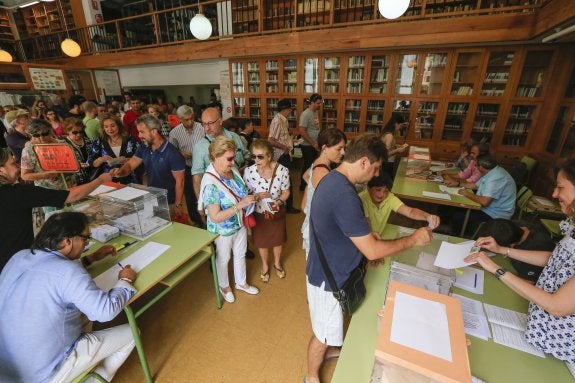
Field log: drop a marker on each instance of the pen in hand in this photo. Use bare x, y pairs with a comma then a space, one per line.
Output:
119, 264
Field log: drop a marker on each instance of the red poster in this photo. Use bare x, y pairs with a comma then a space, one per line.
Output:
56, 157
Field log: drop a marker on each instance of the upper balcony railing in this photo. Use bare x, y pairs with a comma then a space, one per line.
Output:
240, 18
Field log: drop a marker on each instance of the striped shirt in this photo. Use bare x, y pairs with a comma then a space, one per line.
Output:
184, 140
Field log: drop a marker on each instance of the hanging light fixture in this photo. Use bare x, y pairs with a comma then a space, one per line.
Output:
392, 9
200, 26
5, 56
68, 46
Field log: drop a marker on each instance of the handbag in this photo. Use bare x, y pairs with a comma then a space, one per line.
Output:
249, 221
352, 292
281, 213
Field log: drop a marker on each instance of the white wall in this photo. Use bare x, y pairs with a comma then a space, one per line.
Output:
189, 73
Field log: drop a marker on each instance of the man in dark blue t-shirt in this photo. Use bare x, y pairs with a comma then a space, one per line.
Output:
164, 164
345, 238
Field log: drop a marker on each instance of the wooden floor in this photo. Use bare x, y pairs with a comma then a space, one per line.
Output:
257, 339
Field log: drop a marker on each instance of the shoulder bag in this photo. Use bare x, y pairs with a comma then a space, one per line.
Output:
268, 215
249, 221
352, 292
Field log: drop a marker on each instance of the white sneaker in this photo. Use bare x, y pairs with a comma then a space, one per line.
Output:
250, 290
229, 296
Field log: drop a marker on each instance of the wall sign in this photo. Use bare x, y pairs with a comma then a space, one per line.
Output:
47, 79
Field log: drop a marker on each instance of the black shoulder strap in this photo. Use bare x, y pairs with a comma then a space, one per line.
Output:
323, 261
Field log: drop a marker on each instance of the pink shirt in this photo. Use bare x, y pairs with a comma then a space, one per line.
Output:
471, 172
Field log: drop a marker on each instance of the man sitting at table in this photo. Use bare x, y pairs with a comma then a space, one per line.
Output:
378, 203
522, 237
345, 238
495, 193
45, 291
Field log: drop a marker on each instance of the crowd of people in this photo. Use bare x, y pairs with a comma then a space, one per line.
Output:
235, 183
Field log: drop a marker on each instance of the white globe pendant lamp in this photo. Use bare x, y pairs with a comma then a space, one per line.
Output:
201, 27
5, 56
392, 9
70, 48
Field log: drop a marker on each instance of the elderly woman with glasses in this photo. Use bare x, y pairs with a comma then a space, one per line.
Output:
224, 196
270, 179
113, 147
74, 129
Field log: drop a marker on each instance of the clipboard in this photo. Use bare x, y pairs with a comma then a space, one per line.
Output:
407, 364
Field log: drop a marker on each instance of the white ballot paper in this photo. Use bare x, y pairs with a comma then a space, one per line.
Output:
127, 193
474, 319
451, 255
471, 280
436, 195
450, 189
101, 189
421, 324
137, 261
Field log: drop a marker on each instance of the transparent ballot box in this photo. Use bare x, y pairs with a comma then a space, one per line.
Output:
138, 211
439, 282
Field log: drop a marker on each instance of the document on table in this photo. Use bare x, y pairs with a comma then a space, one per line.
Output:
508, 329
474, 319
450, 189
137, 261
127, 193
471, 280
422, 325
543, 201
451, 255
436, 195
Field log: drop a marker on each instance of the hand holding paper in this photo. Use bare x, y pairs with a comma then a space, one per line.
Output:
483, 260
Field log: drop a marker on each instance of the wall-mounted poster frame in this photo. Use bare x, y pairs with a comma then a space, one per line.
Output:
47, 79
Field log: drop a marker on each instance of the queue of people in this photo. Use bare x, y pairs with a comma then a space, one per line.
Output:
234, 185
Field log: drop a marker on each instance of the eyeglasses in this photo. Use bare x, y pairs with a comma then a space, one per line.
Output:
86, 238
44, 134
230, 159
209, 123
76, 132
259, 156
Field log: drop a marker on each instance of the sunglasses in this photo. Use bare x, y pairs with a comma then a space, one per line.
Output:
44, 134
230, 159
259, 156
76, 132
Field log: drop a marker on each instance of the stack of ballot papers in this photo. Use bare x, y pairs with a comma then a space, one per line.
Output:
508, 328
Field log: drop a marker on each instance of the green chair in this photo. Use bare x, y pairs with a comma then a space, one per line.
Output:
530, 163
523, 200
90, 373
552, 226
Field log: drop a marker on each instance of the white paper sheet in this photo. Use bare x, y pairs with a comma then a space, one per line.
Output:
127, 193
101, 189
436, 195
421, 324
474, 319
137, 261
451, 255
471, 280
543, 201
450, 189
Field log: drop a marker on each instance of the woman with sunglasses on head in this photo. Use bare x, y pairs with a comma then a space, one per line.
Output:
270, 180
113, 147
55, 121
223, 197
331, 143
74, 129
551, 317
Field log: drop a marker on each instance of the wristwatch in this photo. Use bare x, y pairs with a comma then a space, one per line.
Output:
500, 272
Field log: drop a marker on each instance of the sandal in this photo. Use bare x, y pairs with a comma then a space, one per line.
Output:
265, 277
280, 272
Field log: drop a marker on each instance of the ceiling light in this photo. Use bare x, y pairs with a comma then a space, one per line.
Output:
5, 56
392, 9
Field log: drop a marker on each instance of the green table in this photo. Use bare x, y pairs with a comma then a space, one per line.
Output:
406, 188
488, 360
189, 248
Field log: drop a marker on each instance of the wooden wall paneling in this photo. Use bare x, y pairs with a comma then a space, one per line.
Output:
551, 14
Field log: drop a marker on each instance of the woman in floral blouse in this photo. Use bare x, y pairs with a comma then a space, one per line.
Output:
551, 320
113, 147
